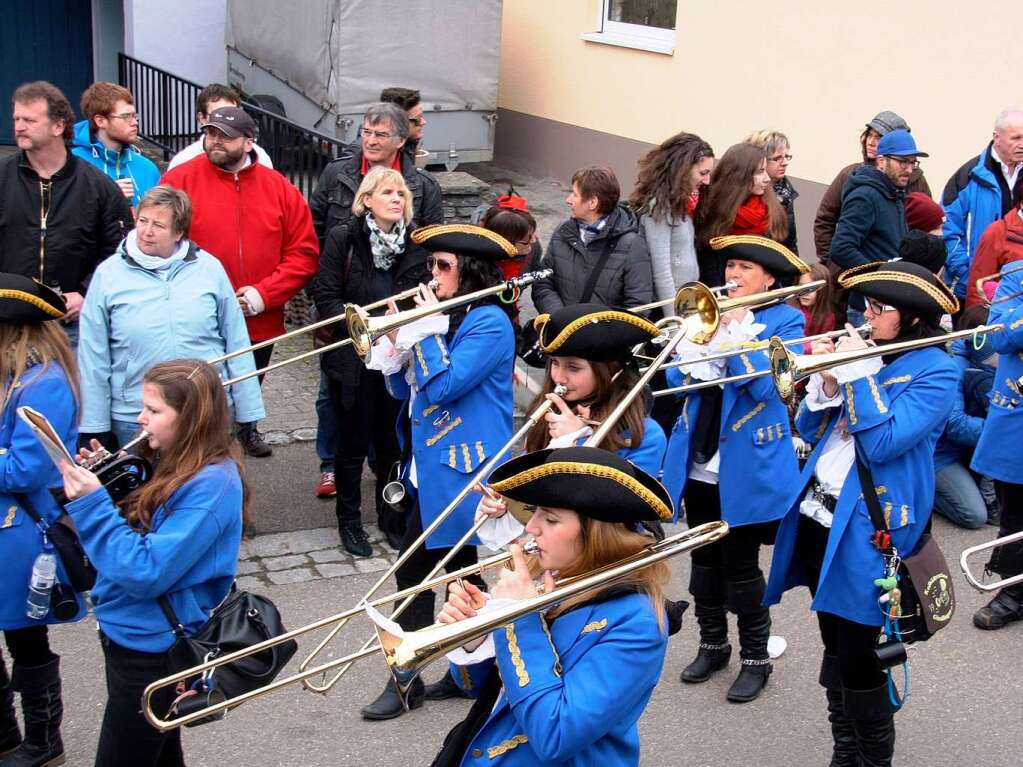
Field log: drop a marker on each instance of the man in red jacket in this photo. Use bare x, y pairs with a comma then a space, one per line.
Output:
256, 223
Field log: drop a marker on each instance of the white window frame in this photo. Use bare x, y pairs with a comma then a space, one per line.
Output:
624, 35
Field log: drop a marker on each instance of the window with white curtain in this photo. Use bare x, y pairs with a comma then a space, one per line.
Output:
645, 24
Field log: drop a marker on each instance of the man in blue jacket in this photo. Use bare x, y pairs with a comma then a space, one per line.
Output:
106, 138
873, 219
980, 193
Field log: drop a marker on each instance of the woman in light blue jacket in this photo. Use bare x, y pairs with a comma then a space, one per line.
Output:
159, 297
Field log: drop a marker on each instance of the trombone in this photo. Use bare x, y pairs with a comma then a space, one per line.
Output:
995, 585
363, 330
979, 285
415, 650
664, 302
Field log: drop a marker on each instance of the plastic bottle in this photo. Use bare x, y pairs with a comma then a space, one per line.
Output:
44, 574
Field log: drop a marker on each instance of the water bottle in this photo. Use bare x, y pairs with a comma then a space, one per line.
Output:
44, 574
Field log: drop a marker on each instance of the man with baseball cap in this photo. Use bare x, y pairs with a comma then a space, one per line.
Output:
872, 221
256, 223
831, 203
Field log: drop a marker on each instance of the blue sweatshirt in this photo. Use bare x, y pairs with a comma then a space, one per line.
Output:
190, 554
129, 162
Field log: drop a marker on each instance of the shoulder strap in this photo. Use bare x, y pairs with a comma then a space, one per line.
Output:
869, 495
30, 509
171, 616
591, 282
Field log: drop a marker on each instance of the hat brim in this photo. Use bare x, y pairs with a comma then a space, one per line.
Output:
24, 300
900, 289
228, 130
771, 255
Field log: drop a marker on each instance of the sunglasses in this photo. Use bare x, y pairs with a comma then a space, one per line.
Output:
442, 266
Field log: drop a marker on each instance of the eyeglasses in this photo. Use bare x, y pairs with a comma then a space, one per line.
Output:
877, 308
417, 121
442, 266
128, 117
382, 135
780, 157
910, 162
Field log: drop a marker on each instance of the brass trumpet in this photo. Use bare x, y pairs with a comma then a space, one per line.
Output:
407, 656
363, 330
994, 585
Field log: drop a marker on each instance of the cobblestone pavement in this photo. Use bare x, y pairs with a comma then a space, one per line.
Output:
289, 394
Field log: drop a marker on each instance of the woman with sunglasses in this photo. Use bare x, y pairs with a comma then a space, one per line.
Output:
452, 374
888, 412
730, 456
364, 260
566, 686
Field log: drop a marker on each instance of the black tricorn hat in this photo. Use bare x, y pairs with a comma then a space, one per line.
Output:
464, 240
590, 481
23, 300
773, 256
902, 284
592, 331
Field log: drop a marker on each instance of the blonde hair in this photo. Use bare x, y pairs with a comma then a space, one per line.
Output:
374, 179
18, 343
174, 200
605, 543
768, 140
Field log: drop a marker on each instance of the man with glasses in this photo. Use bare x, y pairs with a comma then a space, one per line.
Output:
106, 138
872, 221
981, 192
59, 216
256, 223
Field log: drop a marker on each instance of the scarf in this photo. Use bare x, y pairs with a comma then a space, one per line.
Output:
386, 246
694, 198
783, 191
153, 263
751, 217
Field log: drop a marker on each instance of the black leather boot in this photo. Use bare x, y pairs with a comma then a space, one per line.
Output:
707, 585
843, 753
43, 710
354, 539
444, 688
10, 735
754, 621
1005, 608
873, 718
348, 478
388, 703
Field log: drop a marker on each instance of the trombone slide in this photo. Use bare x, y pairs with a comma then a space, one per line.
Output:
994, 585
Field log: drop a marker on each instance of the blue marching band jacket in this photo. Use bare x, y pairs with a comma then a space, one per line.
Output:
896, 417
461, 413
1004, 422
561, 703
755, 433
25, 468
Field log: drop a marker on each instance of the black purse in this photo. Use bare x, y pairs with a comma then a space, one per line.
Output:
240, 621
81, 574
927, 597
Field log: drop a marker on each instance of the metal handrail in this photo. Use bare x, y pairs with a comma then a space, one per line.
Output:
166, 104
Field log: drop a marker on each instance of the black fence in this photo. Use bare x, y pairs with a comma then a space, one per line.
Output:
166, 105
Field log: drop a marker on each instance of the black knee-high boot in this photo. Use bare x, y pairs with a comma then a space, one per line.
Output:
10, 735
873, 718
43, 710
842, 732
388, 704
754, 620
707, 585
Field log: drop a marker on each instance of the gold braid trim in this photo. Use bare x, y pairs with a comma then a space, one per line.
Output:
9, 519
433, 440
595, 626
516, 655
1016, 324
463, 673
36, 301
466, 458
555, 468
429, 410
943, 298
427, 232
849, 404
897, 380
480, 453
421, 358
742, 421
501, 748
877, 395
824, 425
720, 243
550, 639
747, 364
581, 322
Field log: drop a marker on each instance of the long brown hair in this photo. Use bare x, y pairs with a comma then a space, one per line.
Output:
604, 543
825, 303
663, 186
607, 392
192, 389
21, 346
729, 189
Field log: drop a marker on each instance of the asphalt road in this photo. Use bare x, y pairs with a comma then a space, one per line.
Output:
964, 708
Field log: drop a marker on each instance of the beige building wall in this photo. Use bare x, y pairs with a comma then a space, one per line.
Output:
809, 69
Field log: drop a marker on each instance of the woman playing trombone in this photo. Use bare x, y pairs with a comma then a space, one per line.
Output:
454, 374
545, 691
886, 411
722, 433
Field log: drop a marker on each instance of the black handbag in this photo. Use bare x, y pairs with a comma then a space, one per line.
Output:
928, 599
81, 574
240, 621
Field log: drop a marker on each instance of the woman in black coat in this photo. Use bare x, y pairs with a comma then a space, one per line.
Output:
369, 258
